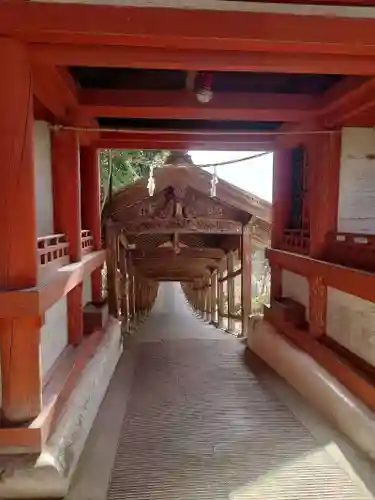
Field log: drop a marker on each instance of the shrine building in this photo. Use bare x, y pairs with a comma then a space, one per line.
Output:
104, 308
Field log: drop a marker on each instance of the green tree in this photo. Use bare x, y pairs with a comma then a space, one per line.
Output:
127, 166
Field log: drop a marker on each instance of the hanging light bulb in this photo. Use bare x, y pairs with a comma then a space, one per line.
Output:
151, 182
205, 94
214, 181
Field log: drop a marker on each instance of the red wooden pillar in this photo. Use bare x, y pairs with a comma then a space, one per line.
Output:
324, 154
324, 161
19, 338
90, 193
281, 206
67, 215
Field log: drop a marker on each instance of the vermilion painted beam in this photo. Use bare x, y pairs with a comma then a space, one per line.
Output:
184, 105
35, 301
187, 29
180, 140
203, 59
55, 89
152, 144
347, 100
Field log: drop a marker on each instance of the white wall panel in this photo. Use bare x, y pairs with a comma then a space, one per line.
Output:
43, 178
54, 334
296, 287
356, 212
351, 323
87, 291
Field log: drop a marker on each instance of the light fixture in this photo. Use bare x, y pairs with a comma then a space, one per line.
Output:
205, 94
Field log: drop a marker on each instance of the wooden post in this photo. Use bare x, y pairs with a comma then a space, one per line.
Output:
90, 182
221, 296
208, 306
231, 291
206, 302
20, 337
130, 289
324, 161
111, 255
246, 252
67, 216
213, 297
317, 306
125, 287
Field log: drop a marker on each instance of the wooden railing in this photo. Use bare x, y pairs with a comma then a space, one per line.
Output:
296, 240
87, 241
351, 249
52, 253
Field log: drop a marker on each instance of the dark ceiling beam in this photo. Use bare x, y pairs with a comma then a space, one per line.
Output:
161, 104
232, 31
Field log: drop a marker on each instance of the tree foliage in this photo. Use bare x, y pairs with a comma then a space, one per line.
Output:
127, 166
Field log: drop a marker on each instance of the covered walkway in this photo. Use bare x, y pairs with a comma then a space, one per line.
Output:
188, 417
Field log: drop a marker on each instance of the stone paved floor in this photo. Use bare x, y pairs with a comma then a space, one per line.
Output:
186, 418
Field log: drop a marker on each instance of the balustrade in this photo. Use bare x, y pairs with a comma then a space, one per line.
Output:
53, 253
296, 240
87, 241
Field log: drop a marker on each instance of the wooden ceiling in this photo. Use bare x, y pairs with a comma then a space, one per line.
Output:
111, 67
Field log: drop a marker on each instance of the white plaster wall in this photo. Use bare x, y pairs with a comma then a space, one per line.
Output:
54, 334
351, 323
356, 212
296, 287
86, 291
43, 178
